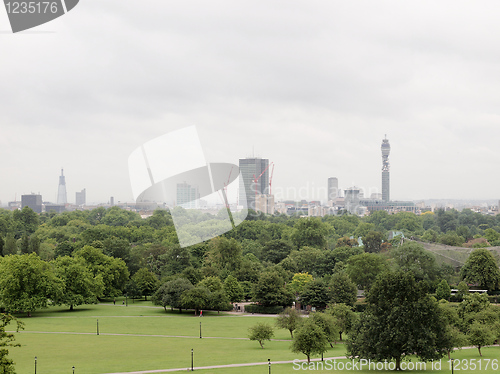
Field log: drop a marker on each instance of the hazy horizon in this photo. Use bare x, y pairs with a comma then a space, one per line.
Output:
313, 87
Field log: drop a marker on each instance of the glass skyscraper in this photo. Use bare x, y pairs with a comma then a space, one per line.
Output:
251, 169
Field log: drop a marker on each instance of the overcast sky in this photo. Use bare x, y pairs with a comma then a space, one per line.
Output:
313, 86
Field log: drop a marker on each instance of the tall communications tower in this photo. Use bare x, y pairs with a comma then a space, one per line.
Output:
386, 149
61, 192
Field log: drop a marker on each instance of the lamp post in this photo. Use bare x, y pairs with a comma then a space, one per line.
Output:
35, 364
451, 366
126, 299
97, 327
269, 362
200, 330
73, 370
192, 368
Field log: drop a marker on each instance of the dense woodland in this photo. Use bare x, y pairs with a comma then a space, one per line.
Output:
274, 260
82, 257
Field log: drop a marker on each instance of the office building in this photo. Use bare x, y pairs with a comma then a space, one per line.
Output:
351, 200
32, 201
81, 197
264, 204
333, 188
254, 181
187, 196
61, 191
386, 150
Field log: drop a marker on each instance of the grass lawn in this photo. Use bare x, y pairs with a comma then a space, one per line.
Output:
143, 337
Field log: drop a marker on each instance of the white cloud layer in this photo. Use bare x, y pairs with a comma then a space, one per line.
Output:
313, 86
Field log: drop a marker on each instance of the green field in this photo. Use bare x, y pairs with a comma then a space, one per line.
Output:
141, 337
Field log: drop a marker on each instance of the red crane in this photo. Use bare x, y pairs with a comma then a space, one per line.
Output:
255, 180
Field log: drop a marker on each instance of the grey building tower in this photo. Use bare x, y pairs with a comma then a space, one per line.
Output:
61, 192
333, 188
251, 168
81, 197
386, 149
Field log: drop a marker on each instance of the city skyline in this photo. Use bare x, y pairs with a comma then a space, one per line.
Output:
311, 87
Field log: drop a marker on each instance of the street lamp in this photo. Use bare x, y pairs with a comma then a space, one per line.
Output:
200, 330
97, 327
126, 299
73, 370
269, 362
192, 368
451, 366
35, 364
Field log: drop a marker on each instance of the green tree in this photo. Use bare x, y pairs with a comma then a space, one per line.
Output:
309, 339
25, 244
372, 241
309, 232
455, 339
146, 281
463, 290
233, 289
63, 249
342, 289
481, 268
169, 293
299, 281
2, 244
10, 247
289, 319
270, 291
224, 254
401, 320
261, 332
80, 286
176, 260
480, 335
344, 315
276, 250
196, 298
34, 246
315, 294
113, 271
27, 283
413, 257
25, 220
7, 340
219, 301
443, 290
212, 283
328, 324
364, 268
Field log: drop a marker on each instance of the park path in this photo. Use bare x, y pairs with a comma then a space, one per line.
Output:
242, 365
226, 366
141, 335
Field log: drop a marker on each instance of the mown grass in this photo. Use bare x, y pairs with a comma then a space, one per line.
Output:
142, 337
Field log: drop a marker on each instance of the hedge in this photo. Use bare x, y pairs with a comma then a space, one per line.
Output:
255, 308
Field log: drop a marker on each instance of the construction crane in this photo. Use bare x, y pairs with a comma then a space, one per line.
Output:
255, 180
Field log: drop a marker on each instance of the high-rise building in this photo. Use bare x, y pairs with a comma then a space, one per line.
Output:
351, 196
32, 201
333, 188
265, 204
61, 192
187, 196
81, 197
386, 149
252, 169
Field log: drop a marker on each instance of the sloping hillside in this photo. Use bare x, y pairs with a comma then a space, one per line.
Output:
455, 256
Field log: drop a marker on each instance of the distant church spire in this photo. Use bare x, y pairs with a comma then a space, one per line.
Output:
61, 192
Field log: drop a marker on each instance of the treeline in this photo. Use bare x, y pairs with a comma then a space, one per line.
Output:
271, 259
